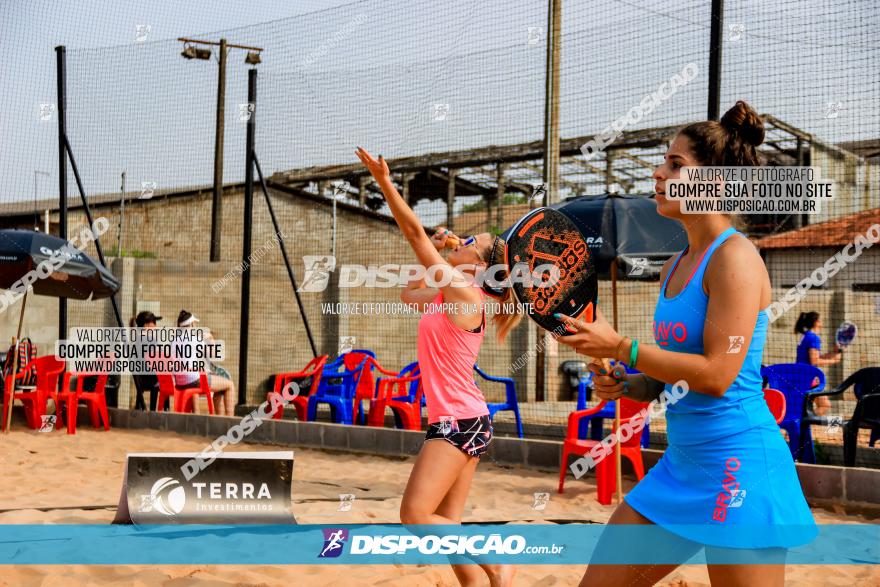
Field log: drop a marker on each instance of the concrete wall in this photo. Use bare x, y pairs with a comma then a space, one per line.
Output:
176, 230
822, 485
788, 267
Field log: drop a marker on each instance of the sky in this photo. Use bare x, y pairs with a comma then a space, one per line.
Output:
374, 73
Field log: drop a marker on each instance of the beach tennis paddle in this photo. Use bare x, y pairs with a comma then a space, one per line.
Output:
546, 236
846, 333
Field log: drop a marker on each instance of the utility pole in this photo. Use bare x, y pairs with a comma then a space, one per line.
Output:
547, 357
190, 51
121, 219
61, 64
217, 201
36, 212
716, 39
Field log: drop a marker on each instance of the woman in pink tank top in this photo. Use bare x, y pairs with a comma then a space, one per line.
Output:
450, 333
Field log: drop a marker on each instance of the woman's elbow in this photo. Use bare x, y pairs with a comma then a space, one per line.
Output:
716, 386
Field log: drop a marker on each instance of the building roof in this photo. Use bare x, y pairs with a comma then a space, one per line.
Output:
833, 233
468, 223
12, 212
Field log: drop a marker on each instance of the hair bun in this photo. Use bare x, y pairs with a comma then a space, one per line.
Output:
744, 121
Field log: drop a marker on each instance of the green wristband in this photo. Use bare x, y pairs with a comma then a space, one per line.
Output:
633, 353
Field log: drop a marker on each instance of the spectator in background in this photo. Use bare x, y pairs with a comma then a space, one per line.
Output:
808, 351
148, 381
221, 387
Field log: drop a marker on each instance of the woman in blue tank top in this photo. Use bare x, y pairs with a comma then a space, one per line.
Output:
809, 351
727, 482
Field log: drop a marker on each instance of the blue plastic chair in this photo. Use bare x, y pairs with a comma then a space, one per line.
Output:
512, 403
597, 420
337, 389
795, 381
366, 388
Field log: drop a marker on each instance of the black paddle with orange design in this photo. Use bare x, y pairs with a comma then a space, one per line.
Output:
546, 236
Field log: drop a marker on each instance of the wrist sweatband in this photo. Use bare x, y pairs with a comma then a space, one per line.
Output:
634, 353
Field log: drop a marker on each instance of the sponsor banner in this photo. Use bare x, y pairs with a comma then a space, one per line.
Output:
238, 488
567, 544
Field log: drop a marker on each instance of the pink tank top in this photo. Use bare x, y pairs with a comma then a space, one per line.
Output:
447, 354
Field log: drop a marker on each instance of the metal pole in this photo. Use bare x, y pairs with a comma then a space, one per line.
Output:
8, 408
61, 64
333, 228
36, 217
91, 221
121, 219
217, 204
246, 237
302, 311
545, 361
716, 33
617, 460
37, 173
551, 104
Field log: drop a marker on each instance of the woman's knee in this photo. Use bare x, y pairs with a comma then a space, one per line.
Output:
412, 514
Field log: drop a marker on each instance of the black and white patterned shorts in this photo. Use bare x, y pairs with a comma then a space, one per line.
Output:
471, 436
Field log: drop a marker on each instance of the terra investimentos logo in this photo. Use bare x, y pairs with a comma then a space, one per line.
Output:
166, 496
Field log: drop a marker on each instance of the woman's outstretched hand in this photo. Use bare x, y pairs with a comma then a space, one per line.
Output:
377, 168
441, 237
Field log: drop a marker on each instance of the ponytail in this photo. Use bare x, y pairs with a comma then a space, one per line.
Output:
805, 322
505, 320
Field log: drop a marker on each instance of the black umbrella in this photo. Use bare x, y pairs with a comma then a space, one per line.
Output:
627, 229
71, 273
52, 267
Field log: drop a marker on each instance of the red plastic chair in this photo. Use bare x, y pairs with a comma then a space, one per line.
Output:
606, 470
313, 369
776, 402
70, 398
49, 370
407, 410
182, 399
387, 398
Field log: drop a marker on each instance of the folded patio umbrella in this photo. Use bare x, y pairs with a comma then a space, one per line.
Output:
625, 229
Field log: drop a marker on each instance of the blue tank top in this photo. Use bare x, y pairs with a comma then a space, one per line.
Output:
678, 327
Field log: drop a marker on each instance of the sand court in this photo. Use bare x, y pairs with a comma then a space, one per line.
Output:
60, 479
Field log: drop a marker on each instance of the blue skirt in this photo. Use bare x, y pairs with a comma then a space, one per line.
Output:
740, 491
